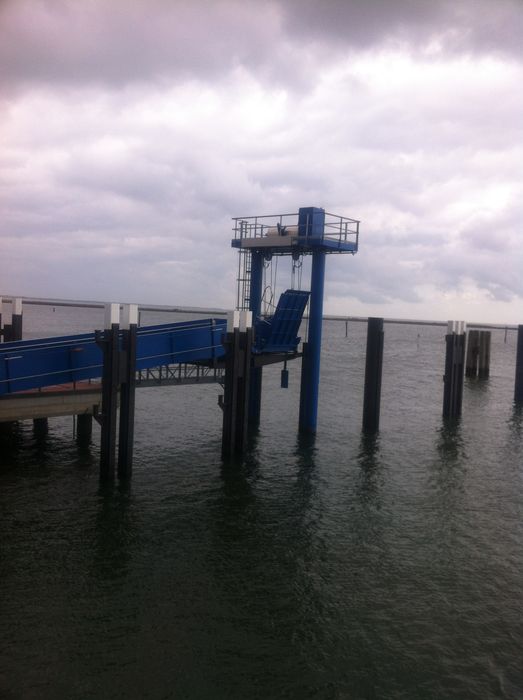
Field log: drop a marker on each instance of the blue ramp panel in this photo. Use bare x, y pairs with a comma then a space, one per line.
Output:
279, 333
33, 364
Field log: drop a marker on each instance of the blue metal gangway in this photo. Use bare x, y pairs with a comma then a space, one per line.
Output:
34, 364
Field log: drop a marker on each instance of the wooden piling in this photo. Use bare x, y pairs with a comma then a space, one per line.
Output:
127, 392
471, 369
518, 385
84, 427
40, 427
484, 355
454, 366
373, 373
10, 332
236, 390
16, 320
109, 343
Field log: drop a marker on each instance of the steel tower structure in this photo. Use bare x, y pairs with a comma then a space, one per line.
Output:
312, 231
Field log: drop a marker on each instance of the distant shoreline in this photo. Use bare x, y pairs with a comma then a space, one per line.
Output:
80, 304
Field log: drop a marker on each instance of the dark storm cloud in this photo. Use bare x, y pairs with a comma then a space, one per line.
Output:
456, 25
126, 41
122, 41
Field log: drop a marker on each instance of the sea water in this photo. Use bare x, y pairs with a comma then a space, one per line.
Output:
330, 567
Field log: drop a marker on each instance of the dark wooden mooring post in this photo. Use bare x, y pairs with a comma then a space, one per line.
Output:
454, 366
40, 427
237, 379
478, 354
518, 385
12, 331
127, 391
84, 427
373, 372
471, 369
484, 355
109, 341
16, 320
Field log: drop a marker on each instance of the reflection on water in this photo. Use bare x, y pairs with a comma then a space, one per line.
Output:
114, 532
449, 444
368, 487
516, 421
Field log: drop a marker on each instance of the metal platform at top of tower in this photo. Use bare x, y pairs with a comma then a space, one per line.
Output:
311, 229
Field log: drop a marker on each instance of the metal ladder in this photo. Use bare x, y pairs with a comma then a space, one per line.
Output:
243, 294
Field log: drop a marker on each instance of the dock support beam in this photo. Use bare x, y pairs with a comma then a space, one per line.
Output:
255, 296
110, 380
237, 384
373, 372
518, 386
127, 391
309, 392
454, 366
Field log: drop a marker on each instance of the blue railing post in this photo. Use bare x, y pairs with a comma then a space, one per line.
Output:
311, 375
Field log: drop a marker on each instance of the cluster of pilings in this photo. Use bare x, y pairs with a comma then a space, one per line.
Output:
477, 365
118, 386
238, 366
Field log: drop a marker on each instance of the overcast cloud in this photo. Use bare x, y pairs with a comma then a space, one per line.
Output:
132, 131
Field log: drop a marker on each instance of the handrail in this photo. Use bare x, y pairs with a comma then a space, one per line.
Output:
336, 227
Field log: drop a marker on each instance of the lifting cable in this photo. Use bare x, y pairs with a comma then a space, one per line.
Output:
297, 266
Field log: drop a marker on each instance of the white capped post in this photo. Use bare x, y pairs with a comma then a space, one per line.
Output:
112, 315
233, 320
456, 327
129, 316
17, 306
245, 320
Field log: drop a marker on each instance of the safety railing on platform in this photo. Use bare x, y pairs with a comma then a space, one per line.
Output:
336, 228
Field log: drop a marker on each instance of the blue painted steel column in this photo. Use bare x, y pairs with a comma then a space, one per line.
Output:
255, 296
311, 376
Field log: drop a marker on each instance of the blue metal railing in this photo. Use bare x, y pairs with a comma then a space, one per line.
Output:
34, 364
337, 228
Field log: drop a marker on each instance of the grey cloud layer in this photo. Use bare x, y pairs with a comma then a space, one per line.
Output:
132, 132
121, 42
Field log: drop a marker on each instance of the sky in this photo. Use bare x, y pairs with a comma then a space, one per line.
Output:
132, 131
